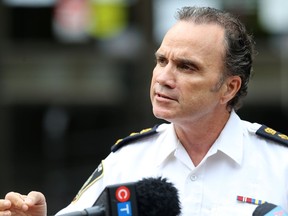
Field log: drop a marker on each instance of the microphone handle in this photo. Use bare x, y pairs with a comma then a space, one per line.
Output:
93, 211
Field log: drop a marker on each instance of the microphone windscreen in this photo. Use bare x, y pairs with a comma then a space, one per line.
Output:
263, 209
157, 197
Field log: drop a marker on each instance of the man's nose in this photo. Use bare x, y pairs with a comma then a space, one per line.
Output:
166, 76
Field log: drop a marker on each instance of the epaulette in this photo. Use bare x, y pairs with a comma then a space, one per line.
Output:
272, 134
133, 137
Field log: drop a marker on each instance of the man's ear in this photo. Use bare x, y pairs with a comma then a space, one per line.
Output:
231, 86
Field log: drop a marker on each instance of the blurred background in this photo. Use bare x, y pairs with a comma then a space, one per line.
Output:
75, 75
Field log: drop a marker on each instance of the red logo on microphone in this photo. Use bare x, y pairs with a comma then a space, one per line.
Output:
122, 194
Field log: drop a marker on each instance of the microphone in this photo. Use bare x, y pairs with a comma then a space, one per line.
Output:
269, 209
147, 197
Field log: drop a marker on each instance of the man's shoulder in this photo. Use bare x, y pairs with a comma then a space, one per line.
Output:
137, 137
265, 133
270, 134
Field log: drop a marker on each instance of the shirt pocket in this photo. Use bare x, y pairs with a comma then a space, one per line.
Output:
233, 209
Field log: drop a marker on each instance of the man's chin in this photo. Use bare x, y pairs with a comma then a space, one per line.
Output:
162, 115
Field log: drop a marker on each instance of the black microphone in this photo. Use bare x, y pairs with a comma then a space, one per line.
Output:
147, 197
269, 209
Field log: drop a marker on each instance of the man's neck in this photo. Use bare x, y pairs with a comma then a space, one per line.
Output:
197, 138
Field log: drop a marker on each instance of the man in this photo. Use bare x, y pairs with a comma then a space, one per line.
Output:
213, 157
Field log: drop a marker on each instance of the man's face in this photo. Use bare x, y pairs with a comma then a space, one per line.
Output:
186, 83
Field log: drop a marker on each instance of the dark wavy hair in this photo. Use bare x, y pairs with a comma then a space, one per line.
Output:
239, 45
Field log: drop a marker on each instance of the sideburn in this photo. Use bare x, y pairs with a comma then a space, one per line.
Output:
219, 84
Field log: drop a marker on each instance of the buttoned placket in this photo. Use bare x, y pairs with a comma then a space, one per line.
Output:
194, 191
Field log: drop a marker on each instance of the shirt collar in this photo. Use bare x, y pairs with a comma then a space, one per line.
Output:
230, 140
168, 141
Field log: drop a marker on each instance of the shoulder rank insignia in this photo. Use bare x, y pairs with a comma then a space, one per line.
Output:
133, 137
97, 174
271, 134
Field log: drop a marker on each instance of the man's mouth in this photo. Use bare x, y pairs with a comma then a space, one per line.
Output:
160, 95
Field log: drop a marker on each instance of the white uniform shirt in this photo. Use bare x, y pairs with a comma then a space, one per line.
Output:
240, 163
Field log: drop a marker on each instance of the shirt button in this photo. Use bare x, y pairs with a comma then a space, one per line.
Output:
193, 177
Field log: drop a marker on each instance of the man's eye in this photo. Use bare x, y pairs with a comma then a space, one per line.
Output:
186, 67
161, 61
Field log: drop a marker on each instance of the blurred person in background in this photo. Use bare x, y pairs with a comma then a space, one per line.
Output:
216, 160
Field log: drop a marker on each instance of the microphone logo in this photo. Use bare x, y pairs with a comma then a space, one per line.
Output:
277, 212
122, 194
